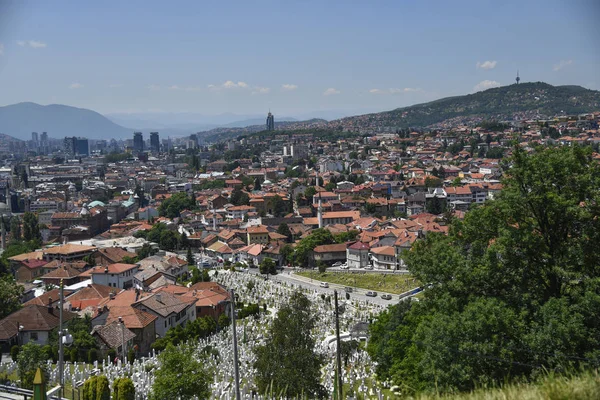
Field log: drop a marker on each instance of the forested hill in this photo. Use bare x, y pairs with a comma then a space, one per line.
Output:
523, 101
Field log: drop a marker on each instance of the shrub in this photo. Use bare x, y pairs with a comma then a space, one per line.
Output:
14, 352
131, 355
116, 388
92, 355
126, 389
102, 388
74, 355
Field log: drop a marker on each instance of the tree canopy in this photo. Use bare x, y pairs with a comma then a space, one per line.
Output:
174, 205
182, 375
513, 290
287, 362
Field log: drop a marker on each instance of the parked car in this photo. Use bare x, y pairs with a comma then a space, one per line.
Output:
324, 285
344, 266
348, 289
386, 296
337, 264
371, 294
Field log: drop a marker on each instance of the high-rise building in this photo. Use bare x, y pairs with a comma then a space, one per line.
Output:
154, 142
270, 122
34, 137
138, 142
70, 145
82, 146
44, 145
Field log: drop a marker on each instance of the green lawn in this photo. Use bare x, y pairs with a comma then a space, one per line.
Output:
390, 283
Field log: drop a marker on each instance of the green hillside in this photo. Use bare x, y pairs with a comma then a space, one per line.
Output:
526, 100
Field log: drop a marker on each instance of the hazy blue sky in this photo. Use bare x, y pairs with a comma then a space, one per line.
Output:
292, 57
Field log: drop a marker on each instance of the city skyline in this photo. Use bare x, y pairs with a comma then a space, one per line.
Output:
212, 59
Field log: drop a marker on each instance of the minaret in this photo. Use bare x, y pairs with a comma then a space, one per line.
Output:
320, 212
214, 220
517, 78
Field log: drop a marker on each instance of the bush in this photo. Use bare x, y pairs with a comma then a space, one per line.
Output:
131, 355
14, 352
102, 388
89, 389
92, 355
224, 321
126, 389
116, 388
74, 354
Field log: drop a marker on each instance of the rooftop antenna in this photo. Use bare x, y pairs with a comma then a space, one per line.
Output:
517, 78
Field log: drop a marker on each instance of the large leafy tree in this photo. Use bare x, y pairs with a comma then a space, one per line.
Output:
514, 289
307, 244
31, 230
182, 375
10, 296
30, 358
287, 363
178, 202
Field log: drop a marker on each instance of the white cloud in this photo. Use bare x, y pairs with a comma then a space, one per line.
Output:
31, 43
233, 85
75, 85
36, 45
394, 90
486, 65
115, 85
185, 88
289, 86
487, 84
261, 90
331, 91
1, 49
562, 64
153, 87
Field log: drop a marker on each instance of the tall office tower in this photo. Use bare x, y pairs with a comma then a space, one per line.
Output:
154, 142
34, 138
70, 146
270, 122
44, 145
82, 146
138, 142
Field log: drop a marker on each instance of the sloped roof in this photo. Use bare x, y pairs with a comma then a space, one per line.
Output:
113, 334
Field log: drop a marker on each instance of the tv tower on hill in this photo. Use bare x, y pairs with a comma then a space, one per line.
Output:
517, 79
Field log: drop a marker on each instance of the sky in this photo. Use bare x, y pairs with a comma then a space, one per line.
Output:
292, 57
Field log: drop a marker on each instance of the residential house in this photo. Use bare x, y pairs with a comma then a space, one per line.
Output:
113, 275
113, 336
170, 310
357, 255
384, 257
330, 253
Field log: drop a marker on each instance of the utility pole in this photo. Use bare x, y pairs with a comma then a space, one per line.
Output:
235, 349
61, 355
123, 353
338, 346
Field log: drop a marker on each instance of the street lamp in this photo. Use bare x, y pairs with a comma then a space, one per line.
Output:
19, 330
123, 345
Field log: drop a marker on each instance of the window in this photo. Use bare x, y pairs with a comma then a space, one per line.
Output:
33, 336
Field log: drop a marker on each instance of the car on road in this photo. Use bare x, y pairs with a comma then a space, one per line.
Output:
344, 266
370, 267
348, 289
386, 296
337, 264
324, 285
371, 294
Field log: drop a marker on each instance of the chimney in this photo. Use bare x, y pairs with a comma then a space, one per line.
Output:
111, 295
159, 297
106, 270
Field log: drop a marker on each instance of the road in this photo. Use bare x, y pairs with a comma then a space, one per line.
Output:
288, 276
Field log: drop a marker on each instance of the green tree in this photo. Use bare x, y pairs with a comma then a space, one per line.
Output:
180, 376
190, 257
10, 295
287, 362
173, 206
309, 192
435, 205
287, 252
102, 388
306, 245
224, 321
31, 229
239, 198
257, 185
30, 358
277, 206
15, 228
284, 229
512, 290
126, 389
267, 266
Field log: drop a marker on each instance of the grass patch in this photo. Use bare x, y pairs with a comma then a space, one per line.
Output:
390, 283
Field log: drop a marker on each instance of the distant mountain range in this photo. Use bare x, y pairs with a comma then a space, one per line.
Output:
19, 120
522, 101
